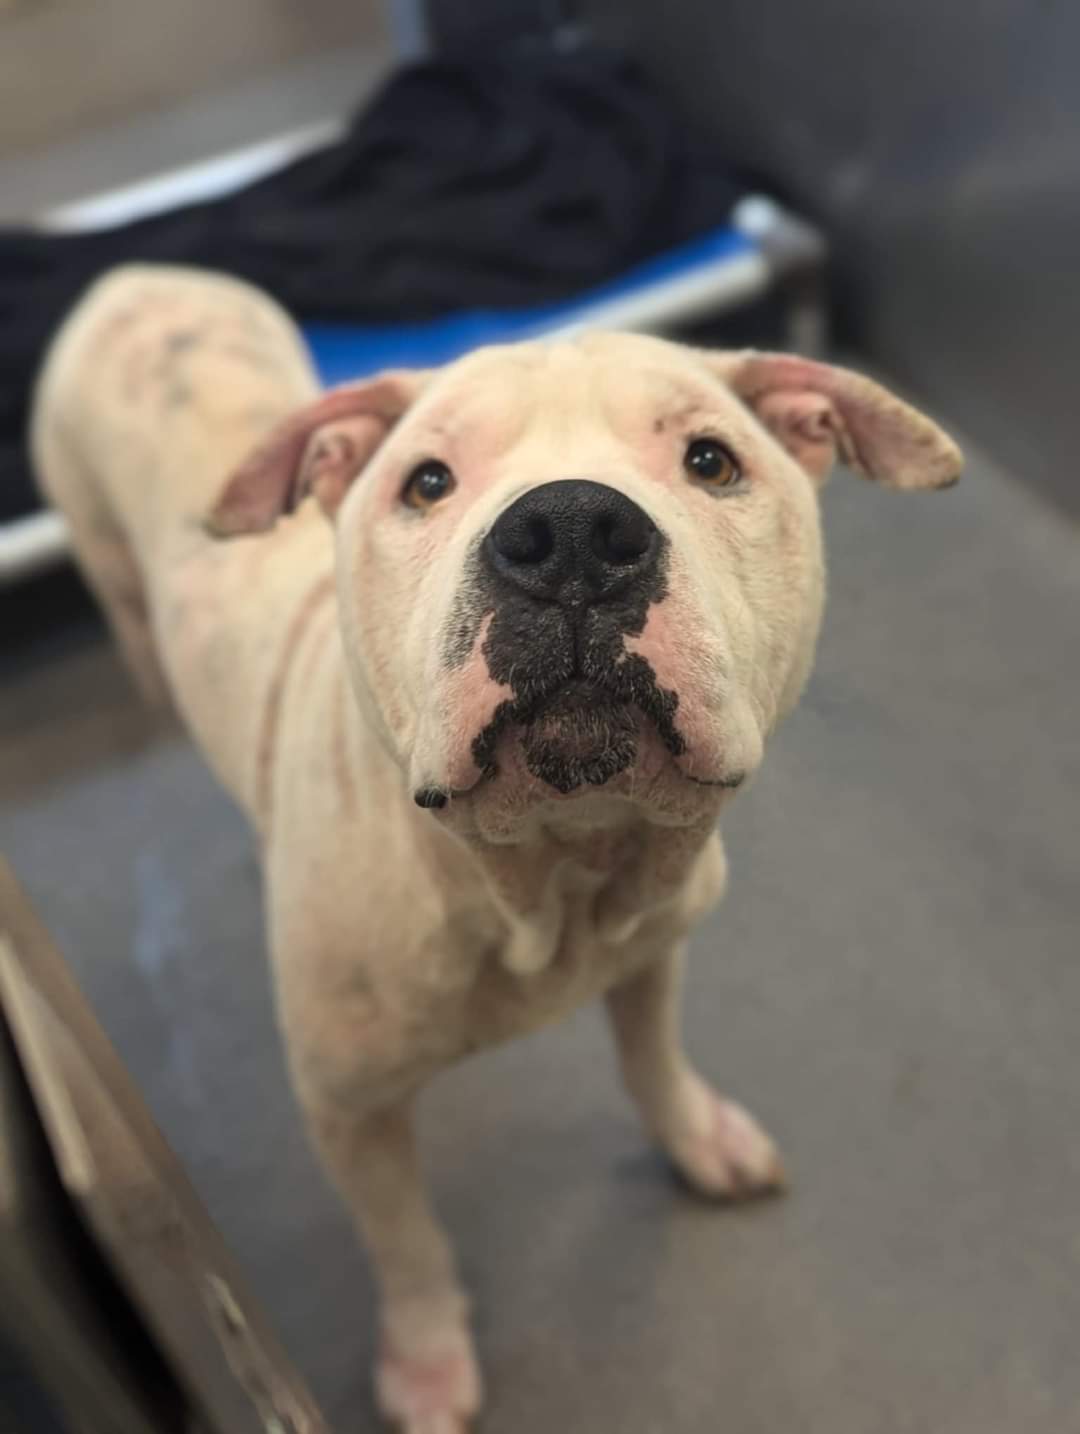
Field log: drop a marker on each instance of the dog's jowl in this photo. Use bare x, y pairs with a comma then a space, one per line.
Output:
482, 652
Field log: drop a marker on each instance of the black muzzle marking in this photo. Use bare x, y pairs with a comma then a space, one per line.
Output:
568, 572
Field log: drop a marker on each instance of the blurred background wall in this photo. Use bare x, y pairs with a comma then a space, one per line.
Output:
96, 94
940, 146
67, 64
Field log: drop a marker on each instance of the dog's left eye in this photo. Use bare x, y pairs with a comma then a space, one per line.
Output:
710, 461
429, 482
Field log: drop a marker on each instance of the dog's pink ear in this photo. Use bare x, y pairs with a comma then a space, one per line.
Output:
820, 414
320, 449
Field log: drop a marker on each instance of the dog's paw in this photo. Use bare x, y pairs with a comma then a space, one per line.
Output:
438, 1422
723, 1153
432, 1390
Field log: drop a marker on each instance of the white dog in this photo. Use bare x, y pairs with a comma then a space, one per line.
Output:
484, 720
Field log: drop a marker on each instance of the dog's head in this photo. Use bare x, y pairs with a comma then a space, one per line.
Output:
582, 569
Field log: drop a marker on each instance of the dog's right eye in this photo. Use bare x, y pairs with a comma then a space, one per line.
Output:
428, 483
711, 462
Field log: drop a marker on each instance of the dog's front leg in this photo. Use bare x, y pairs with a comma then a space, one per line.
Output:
426, 1376
714, 1143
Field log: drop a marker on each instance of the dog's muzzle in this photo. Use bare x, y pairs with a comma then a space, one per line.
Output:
567, 573
575, 543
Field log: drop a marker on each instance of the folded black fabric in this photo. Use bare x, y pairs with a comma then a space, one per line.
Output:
502, 183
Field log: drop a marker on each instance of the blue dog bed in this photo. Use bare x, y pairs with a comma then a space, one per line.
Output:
708, 275
711, 276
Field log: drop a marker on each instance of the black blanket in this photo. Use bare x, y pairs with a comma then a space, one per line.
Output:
504, 182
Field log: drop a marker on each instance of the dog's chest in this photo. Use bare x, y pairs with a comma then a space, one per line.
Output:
504, 1003
456, 987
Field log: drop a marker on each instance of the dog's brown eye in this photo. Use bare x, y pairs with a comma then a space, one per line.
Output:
708, 460
427, 484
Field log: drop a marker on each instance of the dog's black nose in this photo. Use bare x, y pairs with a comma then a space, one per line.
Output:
573, 542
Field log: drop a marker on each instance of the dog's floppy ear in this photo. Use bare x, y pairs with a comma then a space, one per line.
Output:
820, 414
319, 449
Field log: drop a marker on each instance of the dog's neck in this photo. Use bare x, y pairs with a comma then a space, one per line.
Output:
609, 881
596, 864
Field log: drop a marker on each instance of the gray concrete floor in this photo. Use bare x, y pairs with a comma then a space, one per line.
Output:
893, 985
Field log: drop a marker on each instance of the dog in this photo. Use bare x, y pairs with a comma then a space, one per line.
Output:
485, 718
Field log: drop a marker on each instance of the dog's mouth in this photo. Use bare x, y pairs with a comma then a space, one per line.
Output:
566, 701
583, 731
580, 736
580, 733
